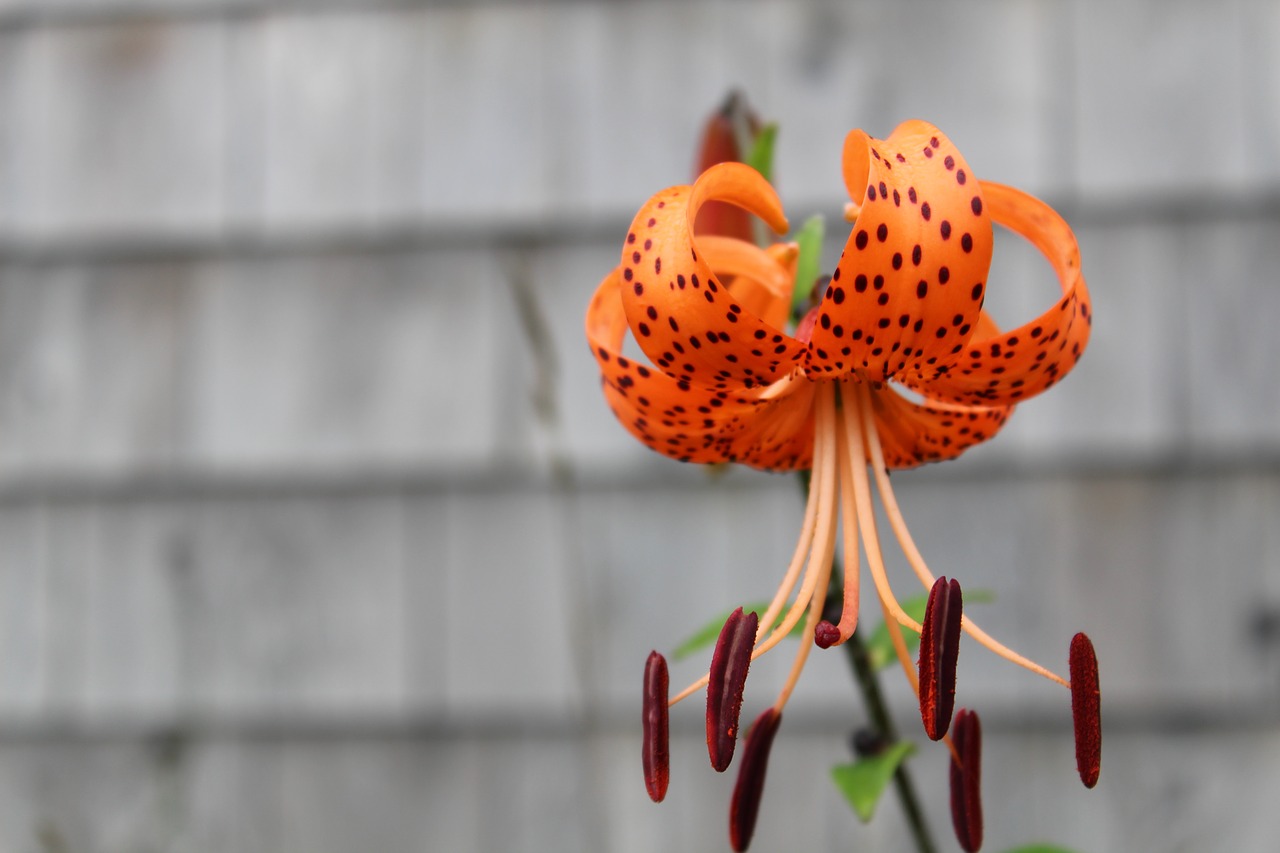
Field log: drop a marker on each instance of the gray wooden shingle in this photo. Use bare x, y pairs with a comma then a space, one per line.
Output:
110, 134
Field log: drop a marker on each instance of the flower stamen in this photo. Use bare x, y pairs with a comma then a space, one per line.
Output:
966, 780
916, 560
856, 488
745, 805
939, 647
726, 680
859, 434
816, 539
827, 634
656, 754
1086, 709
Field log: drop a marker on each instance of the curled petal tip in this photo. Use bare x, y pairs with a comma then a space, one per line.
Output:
966, 781
745, 805
657, 742
939, 650
1086, 709
741, 185
727, 679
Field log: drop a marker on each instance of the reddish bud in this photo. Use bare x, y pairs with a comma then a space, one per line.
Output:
939, 648
745, 805
825, 635
966, 781
720, 144
1086, 709
727, 679
657, 742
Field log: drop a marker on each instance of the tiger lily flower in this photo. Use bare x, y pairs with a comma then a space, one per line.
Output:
727, 381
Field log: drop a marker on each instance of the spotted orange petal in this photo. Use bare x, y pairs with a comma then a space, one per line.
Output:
914, 433
760, 279
687, 421
720, 145
1004, 368
682, 316
908, 288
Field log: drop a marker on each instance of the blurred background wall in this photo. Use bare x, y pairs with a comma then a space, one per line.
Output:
315, 532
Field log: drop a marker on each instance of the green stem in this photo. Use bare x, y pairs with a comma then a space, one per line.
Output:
864, 676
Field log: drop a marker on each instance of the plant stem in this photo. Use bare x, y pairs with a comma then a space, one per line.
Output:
864, 676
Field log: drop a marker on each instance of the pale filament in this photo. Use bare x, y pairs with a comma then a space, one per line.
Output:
845, 445
851, 600
816, 537
821, 574
862, 500
825, 531
856, 483
912, 553
781, 386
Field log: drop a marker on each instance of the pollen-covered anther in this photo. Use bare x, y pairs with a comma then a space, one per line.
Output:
745, 805
1086, 709
656, 755
826, 635
939, 649
726, 681
966, 780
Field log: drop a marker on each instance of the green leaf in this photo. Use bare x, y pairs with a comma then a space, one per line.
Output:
880, 647
1040, 848
760, 157
863, 781
809, 264
707, 634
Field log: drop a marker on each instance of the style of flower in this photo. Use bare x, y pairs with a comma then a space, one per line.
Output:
728, 383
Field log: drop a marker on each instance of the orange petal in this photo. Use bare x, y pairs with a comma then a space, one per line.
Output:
720, 145
902, 296
1000, 369
761, 279
682, 316
690, 422
774, 436
914, 433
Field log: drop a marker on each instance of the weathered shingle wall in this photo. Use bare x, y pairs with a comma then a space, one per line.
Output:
315, 533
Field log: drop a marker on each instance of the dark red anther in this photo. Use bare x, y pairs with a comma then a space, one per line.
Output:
657, 740
745, 805
939, 648
825, 635
1086, 709
966, 781
727, 678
